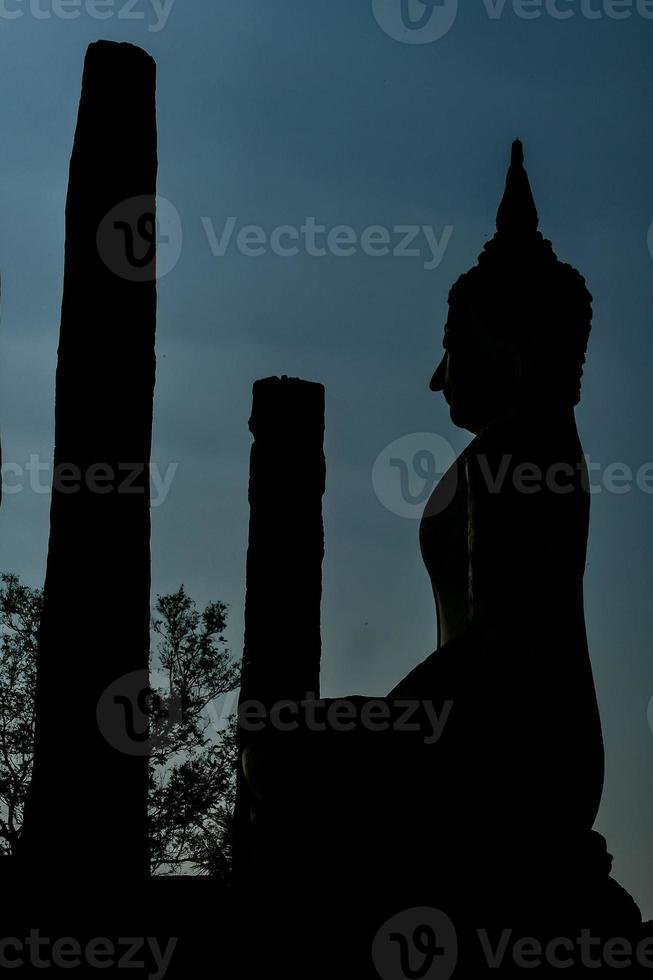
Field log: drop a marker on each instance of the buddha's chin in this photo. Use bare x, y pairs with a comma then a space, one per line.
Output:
463, 418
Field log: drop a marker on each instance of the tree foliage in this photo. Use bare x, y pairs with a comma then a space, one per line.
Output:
20, 616
192, 764
193, 761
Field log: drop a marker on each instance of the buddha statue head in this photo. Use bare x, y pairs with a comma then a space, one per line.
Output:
519, 321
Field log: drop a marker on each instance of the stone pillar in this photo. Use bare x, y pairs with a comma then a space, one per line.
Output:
281, 658
88, 806
286, 541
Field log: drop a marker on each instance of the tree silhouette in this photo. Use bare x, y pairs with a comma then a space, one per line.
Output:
191, 791
192, 764
20, 616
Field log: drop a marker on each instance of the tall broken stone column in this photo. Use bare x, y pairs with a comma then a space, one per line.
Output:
282, 651
88, 806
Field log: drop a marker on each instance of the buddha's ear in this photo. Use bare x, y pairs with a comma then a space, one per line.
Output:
439, 377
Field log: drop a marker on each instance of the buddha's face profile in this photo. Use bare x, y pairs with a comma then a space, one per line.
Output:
482, 374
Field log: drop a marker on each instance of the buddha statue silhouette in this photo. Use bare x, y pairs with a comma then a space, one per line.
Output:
496, 815
504, 533
504, 539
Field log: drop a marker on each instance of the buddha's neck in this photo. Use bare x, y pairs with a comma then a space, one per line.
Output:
536, 411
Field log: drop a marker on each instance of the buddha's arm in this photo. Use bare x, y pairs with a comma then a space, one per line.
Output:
521, 578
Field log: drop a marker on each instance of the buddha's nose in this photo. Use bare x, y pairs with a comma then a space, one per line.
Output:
440, 375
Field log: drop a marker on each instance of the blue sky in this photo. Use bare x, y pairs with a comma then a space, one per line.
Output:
272, 113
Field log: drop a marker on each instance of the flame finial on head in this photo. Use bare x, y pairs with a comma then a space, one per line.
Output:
517, 214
